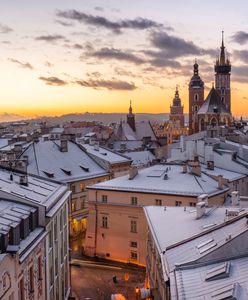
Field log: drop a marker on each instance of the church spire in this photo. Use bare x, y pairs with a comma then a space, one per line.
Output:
222, 51
130, 108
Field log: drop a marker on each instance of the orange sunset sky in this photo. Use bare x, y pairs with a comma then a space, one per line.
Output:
74, 56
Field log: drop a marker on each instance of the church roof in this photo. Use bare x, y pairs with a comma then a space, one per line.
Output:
212, 104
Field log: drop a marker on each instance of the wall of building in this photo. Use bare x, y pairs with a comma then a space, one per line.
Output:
114, 240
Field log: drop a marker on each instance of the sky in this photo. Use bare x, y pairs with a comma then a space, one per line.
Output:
60, 56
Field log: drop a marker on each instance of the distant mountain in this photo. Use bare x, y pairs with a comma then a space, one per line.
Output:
105, 118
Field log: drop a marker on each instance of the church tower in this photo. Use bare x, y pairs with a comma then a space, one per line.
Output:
131, 117
222, 77
196, 99
176, 111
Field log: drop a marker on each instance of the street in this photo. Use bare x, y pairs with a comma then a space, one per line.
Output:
94, 281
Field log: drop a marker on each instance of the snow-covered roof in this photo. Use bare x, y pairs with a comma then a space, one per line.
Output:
173, 224
105, 154
39, 191
142, 129
152, 180
140, 158
46, 159
229, 175
129, 145
212, 104
192, 284
57, 130
3, 142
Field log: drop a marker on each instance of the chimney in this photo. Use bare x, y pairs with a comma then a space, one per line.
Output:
17, 148
200, 209
96, 146
235, 198
220, 182
133, 171
210, 165
64, 146
203, 198
195, 167
184, 168
23, 180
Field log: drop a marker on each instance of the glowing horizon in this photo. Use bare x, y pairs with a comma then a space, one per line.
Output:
60, 58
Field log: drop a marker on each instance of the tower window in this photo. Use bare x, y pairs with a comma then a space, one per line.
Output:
223, 91
196, 97
196, 108
222, 99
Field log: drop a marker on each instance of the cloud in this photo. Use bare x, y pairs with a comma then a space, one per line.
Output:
6, 42
239, 73
241, 55
99, 8
50, 38
48, 64
116, 27
107, 84
112, 53
173, 46
240, 37
5, 28
78, 46
53, 81
66, 24
25, 65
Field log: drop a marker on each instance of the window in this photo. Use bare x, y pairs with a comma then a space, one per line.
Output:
21, 289
133, 244
73, 205
134, 226
158, 202
82, 202
73, 189
133, 255
196, 97
134, 200
39, 268
104, 198
178, 203
192, 204
105, 222
82, 186
31, 280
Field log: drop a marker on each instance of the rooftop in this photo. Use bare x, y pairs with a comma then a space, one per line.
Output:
39, 191
164, 179
46, 159
105, 154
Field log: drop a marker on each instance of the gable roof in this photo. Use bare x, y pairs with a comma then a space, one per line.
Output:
212, 104
142, 129
45, 159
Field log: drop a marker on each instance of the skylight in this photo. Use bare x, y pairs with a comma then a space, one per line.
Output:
226, 292
207, 245
219, 272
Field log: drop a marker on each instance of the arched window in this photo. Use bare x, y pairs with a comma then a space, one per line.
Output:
202, 125
196, 97
196, 108
214, 122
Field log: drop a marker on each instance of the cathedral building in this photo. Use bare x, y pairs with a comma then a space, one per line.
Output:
215, 110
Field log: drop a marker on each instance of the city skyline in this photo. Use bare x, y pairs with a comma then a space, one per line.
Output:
61, 57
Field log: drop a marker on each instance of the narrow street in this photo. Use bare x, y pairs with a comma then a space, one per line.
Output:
94, 280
